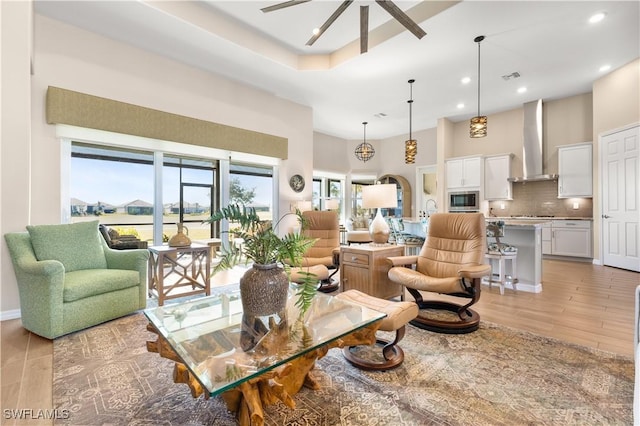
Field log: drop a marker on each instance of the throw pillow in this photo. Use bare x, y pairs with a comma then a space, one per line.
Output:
77, 246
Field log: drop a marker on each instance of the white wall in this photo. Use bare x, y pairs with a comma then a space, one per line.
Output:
565, 121
337, 155
78, 60
616, 103
392, 151
15, 142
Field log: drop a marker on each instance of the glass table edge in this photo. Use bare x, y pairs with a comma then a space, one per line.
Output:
237, 383
378, 316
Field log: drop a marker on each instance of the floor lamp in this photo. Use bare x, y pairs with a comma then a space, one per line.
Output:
379, 196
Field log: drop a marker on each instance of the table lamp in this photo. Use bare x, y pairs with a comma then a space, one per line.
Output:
303, 205
332, 204
379, 196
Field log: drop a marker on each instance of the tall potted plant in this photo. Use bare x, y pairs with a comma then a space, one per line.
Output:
264, 287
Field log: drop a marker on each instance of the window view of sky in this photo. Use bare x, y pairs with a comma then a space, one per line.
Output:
118, 183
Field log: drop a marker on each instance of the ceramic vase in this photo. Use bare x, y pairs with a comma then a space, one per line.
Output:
264, 290
181, 239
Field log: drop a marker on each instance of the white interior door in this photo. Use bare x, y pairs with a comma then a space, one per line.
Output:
620, 161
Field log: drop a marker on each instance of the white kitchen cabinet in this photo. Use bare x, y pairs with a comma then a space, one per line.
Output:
464, 173
575, 170
571, 238
497, 171
546, 238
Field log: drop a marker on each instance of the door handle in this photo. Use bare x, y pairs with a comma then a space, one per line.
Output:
605, 216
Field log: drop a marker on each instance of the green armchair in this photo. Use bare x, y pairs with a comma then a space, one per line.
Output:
69, 279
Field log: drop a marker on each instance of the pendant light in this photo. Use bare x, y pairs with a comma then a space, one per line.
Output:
411, 145
365, 150
478, 126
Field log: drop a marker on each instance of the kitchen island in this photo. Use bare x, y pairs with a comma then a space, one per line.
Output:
526, 236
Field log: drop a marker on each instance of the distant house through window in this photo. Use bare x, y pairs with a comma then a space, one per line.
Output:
116, 186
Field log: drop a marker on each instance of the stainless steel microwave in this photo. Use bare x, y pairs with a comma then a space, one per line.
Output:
464, 201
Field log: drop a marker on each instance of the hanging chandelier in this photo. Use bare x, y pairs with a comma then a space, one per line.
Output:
411, 145
478, 125
365, 150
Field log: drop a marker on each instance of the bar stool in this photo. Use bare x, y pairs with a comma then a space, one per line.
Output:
500, 252
501, 259
412, 248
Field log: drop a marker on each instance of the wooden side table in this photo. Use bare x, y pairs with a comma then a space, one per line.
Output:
363, 267
173, 268
213, 243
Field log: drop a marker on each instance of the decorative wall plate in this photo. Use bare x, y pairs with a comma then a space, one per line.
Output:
296, 183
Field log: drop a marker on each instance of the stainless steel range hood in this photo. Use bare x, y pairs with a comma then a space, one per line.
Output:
532, 145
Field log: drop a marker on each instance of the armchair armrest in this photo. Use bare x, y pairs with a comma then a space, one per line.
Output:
135, 259
475, 271
402, 260
336, 256
42, 268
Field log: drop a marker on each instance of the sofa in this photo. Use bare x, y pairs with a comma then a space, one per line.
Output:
69, 279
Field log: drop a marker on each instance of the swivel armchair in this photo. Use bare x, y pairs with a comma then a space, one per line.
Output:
69, 279
324, 255
450, 262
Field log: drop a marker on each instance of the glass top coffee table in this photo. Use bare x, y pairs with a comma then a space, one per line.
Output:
254, 361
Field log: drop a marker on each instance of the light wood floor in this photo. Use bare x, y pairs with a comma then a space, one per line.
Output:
580, 303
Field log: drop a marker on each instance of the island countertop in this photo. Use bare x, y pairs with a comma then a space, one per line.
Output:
539, 218
517, 222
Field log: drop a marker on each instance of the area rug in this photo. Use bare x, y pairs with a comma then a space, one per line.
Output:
494, 376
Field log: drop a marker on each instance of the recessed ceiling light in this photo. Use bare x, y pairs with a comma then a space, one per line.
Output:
466, 80
316, 31
605, 68
460, 105
522, 89
597, 17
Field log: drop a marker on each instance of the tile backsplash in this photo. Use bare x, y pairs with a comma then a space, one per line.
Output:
540, 198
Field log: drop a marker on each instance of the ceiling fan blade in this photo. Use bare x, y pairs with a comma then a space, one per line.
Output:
283, 5
402, 17
364, 29
330, 21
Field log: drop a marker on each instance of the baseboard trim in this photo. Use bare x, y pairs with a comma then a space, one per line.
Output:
9, 315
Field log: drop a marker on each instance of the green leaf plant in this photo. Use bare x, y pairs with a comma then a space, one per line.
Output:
259, 242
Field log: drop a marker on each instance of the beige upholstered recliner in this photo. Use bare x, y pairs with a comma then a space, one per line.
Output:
324, 255
450, 262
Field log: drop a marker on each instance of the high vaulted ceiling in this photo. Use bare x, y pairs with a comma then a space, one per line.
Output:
550, 44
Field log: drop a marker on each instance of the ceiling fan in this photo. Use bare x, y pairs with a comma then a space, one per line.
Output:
387, 5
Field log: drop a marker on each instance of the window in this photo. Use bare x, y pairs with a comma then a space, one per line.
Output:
356, 198
189, 195
252, 186
116, 186
317, 194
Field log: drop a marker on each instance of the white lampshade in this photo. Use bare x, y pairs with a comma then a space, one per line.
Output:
380, 196
303, 206
332, 204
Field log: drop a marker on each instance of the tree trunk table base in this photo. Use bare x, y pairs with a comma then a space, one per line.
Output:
280, 384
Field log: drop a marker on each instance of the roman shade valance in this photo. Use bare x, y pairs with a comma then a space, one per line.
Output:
82, 110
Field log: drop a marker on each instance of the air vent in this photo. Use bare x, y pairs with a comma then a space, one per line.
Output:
511, 76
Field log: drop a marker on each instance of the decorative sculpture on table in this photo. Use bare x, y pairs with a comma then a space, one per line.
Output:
181, 239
